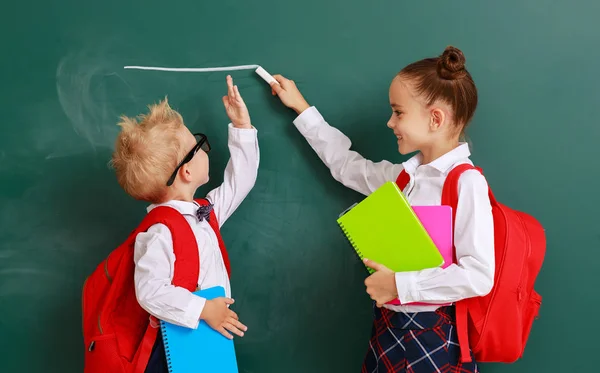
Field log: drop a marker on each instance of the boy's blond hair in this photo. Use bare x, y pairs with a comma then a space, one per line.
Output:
147, 152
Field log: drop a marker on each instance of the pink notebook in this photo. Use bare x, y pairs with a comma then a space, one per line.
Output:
437, 221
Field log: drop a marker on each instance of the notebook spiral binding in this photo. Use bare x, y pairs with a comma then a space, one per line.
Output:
356, 249
167, 350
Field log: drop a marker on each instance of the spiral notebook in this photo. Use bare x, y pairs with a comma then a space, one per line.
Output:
198, 350
383, 227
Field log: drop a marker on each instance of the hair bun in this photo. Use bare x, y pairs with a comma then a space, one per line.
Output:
451, 64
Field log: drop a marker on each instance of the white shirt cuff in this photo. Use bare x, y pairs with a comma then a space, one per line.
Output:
309, 118
405, 285
193, 312
242, 134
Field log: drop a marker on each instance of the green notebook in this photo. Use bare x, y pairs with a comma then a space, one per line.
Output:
384, 228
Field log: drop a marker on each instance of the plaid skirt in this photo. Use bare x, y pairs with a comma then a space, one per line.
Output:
422, 342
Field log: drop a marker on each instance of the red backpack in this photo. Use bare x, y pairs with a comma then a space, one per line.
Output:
496, 327
117, 332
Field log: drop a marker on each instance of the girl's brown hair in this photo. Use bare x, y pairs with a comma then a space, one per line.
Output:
445, 79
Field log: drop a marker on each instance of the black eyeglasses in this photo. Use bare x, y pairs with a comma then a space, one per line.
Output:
201, 143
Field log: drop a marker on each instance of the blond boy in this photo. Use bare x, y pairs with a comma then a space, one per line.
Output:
158, 160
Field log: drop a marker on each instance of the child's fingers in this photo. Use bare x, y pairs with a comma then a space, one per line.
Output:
235, 322
225, 333
276, 88
233, 315
282, 80
230, 86
238, 96
227, 300
374, 265
240, 326
370, 292
233, 329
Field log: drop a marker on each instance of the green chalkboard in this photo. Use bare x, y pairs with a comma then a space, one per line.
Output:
298, 285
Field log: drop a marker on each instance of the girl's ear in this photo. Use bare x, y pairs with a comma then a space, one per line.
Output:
438, 117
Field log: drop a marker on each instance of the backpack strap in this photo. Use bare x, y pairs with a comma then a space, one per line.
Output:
463, 307
214, 224
186, 267
450, 198
185, 246
403, 180
450, 188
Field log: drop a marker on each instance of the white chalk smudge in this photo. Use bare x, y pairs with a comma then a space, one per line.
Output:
81, 84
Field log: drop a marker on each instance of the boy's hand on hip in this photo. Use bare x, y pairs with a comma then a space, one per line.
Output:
289, 94
381, 285
217, 314
235, 106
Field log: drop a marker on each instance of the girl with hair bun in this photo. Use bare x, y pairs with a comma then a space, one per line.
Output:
432, 102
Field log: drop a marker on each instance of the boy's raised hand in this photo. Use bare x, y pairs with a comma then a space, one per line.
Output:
221, 318
289, 94
235, 106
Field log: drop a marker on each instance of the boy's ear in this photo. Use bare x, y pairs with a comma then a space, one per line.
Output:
185, 173
438, 116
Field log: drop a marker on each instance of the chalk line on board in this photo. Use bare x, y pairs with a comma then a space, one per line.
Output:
257, 68
195, 69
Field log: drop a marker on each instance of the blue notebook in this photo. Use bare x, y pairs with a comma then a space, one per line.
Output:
199, 350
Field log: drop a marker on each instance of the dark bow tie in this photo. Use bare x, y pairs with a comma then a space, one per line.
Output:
204, 212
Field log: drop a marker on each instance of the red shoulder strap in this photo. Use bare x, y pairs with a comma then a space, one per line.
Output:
214, 224
450, 198
450, 188
185, 246
186, 269
403, 180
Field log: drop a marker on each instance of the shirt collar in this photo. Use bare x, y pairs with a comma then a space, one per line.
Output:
443, 164
184, 207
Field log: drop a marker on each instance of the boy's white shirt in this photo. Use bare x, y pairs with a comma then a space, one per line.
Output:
154, 258
474, 225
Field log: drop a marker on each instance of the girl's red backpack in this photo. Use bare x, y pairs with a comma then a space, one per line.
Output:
496, 327
117, 332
